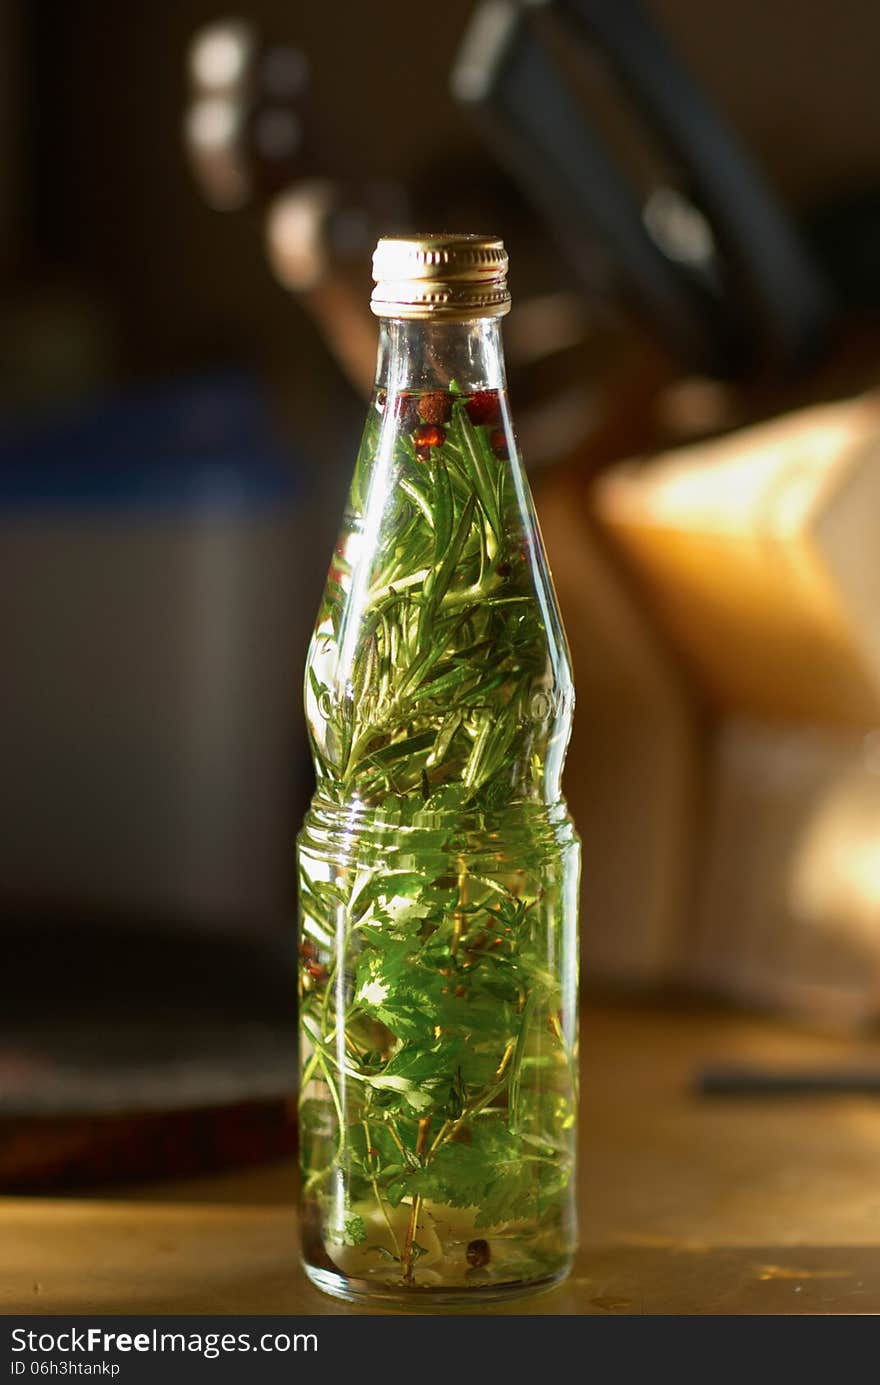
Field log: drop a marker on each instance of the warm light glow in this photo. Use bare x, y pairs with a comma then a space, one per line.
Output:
771, 477
294, 234
219, 55
211, 123
835, 875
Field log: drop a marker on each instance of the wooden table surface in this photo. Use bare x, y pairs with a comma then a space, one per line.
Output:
688, 1204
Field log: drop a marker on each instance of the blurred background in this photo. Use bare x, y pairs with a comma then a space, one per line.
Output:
188, 202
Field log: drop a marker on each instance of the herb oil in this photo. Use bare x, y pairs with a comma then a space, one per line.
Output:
438, 866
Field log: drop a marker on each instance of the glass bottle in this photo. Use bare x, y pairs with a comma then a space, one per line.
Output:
438, 865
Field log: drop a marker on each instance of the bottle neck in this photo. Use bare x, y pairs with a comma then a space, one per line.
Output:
426, 355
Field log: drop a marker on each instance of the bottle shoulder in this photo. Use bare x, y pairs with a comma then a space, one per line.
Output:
438, 657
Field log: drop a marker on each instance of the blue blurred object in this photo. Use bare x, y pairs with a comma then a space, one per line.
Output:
152, 555
202, 443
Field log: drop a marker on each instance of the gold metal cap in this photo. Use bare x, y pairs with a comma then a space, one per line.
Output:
445, 277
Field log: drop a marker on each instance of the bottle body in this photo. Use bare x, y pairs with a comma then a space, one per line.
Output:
438, 867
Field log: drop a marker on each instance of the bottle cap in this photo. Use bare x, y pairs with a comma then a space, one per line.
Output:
444, 277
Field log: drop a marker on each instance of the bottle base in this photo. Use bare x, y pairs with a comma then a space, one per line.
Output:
423, 1298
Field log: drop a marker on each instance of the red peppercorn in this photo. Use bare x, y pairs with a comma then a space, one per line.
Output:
498, 443
423, 454
405, 411
435, 407
503, 569
429, 435
483, 407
